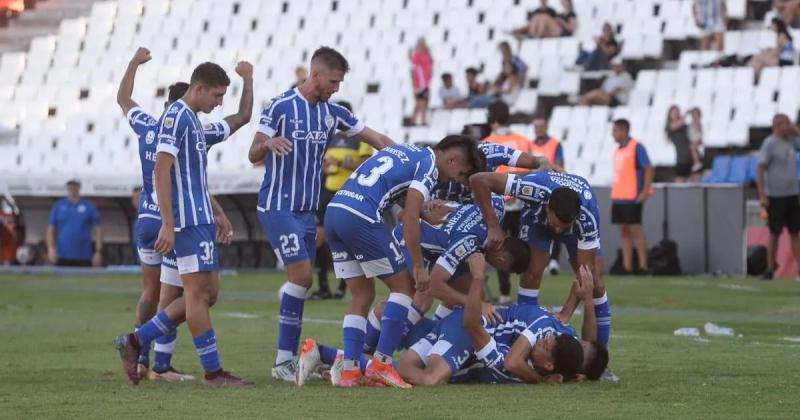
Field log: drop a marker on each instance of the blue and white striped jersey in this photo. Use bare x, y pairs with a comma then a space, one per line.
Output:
535, 189
146, 128
463, 233
181, 134
292, 182
384, 178
496, 155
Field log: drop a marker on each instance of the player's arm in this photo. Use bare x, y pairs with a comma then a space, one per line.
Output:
162, 180
236, 121
483, 184
374, 138
472, 313
643, 161
439, 289
125, 91
762, 194
584, 291
264, 141
570, 305
224, 226
516, 361
411, 212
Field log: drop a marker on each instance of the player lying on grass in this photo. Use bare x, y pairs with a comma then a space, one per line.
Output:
188, 225
528, 345
558, 207
162, 284
362, 247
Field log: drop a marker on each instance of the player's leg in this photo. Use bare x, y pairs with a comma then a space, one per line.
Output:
540, 241
171, 291
146, 233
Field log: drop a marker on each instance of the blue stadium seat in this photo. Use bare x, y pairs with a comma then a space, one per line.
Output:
752, 169
738, 169
720, 169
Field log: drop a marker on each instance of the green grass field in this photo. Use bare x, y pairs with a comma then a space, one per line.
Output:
58, 361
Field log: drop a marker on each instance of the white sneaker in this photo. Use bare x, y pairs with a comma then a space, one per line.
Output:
608, 376
285, 371
308, 362
336, 370
553, 267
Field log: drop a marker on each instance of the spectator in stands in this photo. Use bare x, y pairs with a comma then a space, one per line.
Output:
499, 118
606, 48
543, 22
10, 9
520, 69
9, 226
300, 76
421, 74
449, 93
789, 11
615, 88
508, 84
781, 55
711, 17
776, 180
549, 147
72, 222
687, 158
478, 92
631, 185
343, 156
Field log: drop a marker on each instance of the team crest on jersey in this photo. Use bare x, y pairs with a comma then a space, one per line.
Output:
329, 121
169, 122
151, 135
460, 251
587, 194
527, 190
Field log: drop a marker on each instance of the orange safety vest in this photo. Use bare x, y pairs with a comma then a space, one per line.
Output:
547, 150
512, 140
625, 185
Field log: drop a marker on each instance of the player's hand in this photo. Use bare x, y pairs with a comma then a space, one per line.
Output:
421, 279
224, 230
52, 256
244, 69
585, 283
278, 145
491, 314
97, 259
764, 201
555, 378
165, 240
141, 56
496, 237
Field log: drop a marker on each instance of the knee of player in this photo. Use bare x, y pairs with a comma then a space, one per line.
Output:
211, 297
437, 377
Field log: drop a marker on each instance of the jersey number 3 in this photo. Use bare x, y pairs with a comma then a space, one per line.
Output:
376, 172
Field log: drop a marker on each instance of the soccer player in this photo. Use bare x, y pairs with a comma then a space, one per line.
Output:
362, 245
187, 216
293, 133
558, 206
155, 268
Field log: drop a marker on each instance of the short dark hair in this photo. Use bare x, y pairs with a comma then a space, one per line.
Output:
623, 123
598, 362
475, 158
176, 91
446, 76
345, 104
504, 44
499, 113
331, 58
471, 70
210, 74
520, 254
565, 203
567, 356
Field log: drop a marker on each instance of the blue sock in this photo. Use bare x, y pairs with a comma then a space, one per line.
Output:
528, 296
602, 310
154, 328
289, 327
327, 354
414, 316
206, 345
441, 312
354, 328
144, 352
165, 345
373, 333
395, 314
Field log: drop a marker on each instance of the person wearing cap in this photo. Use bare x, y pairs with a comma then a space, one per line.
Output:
615, 88
72, 222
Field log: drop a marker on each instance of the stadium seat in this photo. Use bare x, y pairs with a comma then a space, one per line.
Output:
720, 169
739, 168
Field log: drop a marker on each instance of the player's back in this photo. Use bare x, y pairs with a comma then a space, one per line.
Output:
182, 135
146, 129
497, 155
519, 318
385, 177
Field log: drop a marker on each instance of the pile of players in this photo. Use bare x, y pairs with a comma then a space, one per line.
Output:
436, 251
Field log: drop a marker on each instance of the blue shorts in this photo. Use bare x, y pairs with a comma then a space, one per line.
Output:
418, 332
196, 249
292, 235
453, 343
542, 237
429, 255
146, 233
360, 247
